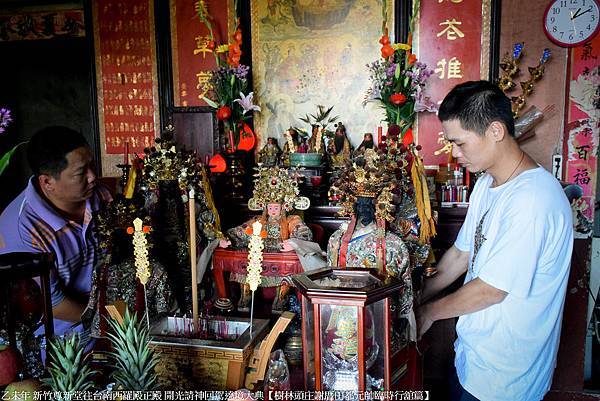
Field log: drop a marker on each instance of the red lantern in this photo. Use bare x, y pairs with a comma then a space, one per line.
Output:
247, 139
217, 164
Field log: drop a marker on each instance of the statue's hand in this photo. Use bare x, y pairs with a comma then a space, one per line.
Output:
286, 247
224, 243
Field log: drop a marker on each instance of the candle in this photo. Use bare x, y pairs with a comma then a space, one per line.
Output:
256, 228
126, 153
192, 212
379, 134
467, 178
231, 141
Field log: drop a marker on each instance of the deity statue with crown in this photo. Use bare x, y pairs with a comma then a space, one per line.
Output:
275, 194
168, 176
367, 191
116, 278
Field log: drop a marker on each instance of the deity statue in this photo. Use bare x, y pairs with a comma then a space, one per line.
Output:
269, 154
367, 142
275, 194
367, 185
168, 177
339, 148
292, 141
115, 278
315, 143
303, 147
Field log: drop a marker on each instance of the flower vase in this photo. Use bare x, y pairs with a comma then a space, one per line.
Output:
235, 176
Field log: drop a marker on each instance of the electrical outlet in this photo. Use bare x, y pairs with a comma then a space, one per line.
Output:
557, 161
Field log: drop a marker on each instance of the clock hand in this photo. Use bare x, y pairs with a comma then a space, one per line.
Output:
573, 22
573, 16
586, 11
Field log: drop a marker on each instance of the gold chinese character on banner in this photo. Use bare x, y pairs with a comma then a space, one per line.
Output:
202, 45
451, 31
452, 1
453, 69
447, 148
203, 83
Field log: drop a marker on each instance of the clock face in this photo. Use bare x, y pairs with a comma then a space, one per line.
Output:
571, 22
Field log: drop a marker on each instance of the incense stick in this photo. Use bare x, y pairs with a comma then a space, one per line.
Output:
192, 211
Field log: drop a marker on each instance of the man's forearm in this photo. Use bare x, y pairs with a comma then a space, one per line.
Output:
68, 310
474, 296
451, 266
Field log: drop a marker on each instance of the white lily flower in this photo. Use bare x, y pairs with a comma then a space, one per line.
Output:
246, 102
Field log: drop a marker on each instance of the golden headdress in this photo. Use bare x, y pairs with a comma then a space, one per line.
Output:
274, 185
371, 175
163, 162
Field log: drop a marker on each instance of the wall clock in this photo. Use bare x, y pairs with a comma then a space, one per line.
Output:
570, 23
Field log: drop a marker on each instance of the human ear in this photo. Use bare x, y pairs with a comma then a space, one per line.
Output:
46, 182
497, 131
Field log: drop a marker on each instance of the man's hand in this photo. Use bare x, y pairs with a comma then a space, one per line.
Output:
424, 320
68, 310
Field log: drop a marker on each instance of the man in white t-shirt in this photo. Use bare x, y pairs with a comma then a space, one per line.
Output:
515, 247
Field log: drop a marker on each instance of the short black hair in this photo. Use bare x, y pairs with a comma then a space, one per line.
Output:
48, 148
476, 104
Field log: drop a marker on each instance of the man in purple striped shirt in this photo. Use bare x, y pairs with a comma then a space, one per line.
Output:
54, 215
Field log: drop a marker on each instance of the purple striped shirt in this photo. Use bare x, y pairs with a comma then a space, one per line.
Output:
30, 224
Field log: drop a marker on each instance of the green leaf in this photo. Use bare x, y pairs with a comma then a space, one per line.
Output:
397, 72
4, 161
210, 102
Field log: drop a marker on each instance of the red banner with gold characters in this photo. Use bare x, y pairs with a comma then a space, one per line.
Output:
126, 77
583, 132
452, 38
193, 58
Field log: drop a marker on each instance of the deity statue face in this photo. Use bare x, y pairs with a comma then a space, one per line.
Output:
365, 210
274, 210
271, 141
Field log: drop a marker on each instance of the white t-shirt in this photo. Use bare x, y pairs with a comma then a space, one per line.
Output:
520, 237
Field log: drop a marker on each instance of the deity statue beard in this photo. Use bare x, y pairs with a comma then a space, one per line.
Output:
339, 142
368, 144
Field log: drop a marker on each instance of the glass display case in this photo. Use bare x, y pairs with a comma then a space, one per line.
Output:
354, 336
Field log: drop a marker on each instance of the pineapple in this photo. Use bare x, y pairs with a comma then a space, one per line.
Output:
134, 360
68, 367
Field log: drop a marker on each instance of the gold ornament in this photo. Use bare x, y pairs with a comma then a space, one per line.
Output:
369, 175
274, 185
255, 257
140, 250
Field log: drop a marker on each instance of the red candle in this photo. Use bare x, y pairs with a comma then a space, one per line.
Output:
126, 154
231, 140
467, 178
379, 134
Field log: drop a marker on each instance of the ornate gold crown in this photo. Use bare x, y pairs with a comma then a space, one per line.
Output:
371, 175
274, 185
163, 162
